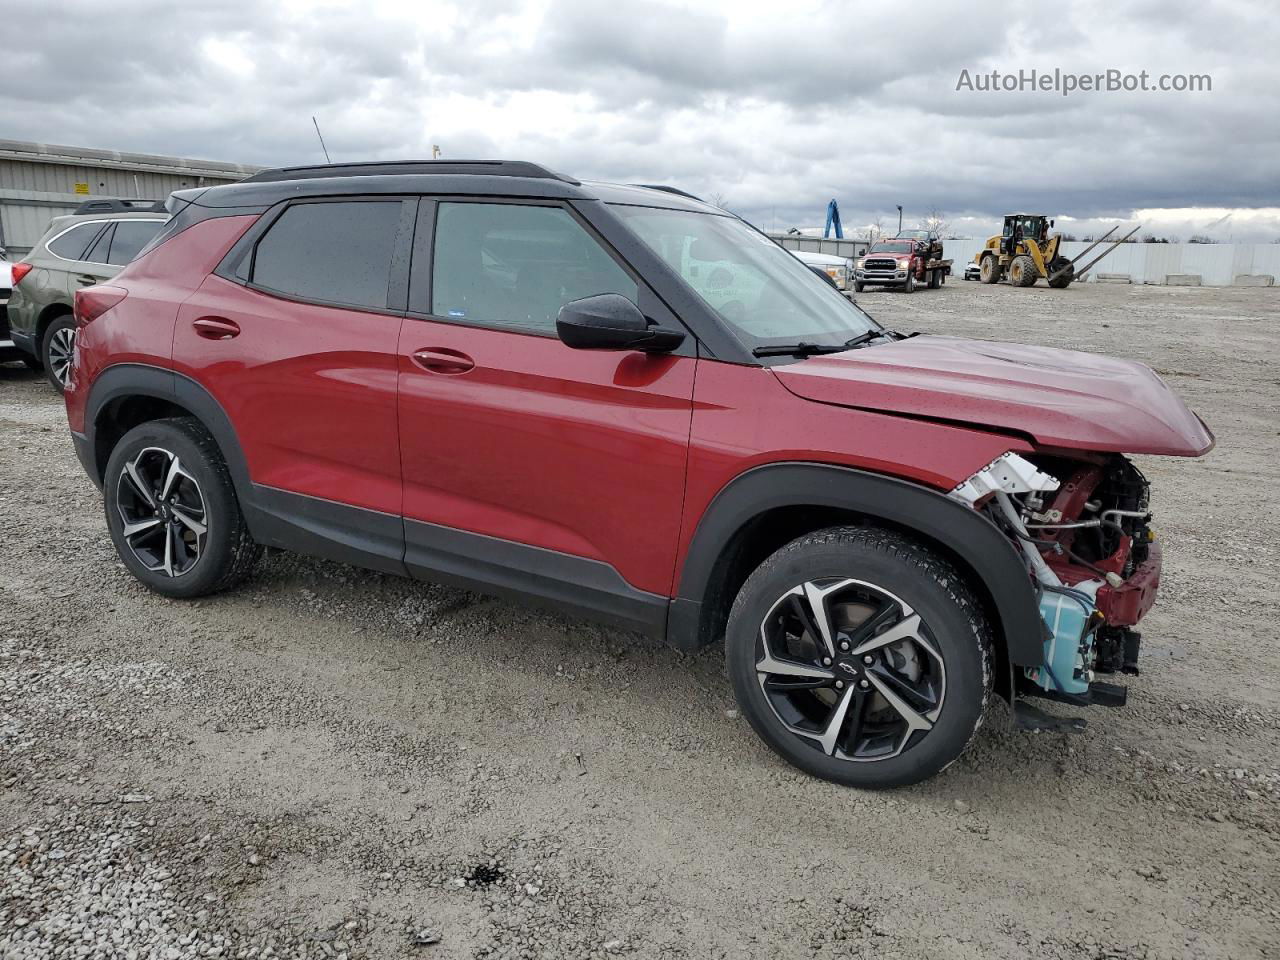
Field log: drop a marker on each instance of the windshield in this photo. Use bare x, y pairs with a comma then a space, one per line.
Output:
763, 293
920, 234
905, 246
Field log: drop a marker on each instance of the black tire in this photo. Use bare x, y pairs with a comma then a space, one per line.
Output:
922, 584
935, 279
1023, 272
1067, 276
226, 554
989, 269
909, 285
857, 286
55, 346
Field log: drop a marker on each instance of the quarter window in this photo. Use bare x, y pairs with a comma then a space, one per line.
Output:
332, 252
513, 266
70, 245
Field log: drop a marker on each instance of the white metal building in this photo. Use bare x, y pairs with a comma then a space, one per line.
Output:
40, 181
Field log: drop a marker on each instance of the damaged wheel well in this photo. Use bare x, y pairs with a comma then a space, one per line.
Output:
767, 507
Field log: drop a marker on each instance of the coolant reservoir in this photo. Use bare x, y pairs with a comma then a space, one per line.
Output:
1068, 651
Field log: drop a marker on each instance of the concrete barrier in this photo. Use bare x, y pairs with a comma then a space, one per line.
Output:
1112, 278
1255, 280
1182, 279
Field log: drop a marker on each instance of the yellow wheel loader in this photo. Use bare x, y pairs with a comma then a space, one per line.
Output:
1025, 251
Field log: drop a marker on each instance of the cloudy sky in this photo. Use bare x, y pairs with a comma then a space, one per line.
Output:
773, 107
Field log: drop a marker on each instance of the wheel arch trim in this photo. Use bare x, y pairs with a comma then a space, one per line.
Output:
971, 538
125, 380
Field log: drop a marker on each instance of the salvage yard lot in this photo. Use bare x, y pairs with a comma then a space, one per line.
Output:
330, 761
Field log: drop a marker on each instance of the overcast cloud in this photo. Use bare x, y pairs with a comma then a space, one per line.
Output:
776, 107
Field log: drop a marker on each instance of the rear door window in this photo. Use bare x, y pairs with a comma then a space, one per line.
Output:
98, 252
130, 237
71, 244
514, 266
331, 252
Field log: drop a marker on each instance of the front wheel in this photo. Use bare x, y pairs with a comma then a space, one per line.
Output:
860, 657
172, 510
858, 286
909, 285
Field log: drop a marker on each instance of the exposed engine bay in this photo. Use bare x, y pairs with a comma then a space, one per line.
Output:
1084, 529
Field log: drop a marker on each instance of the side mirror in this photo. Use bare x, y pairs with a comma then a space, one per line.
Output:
609, 321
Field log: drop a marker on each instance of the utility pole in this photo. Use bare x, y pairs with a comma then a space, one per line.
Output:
899, 218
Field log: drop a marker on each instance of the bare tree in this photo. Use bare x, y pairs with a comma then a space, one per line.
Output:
936, 222
719, 200
1200, 238
874, 231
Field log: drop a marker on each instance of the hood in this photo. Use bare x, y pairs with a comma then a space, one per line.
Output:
1061, 398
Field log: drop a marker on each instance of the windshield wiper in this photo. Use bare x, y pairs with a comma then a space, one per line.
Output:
801, 349
865, 337
805, 349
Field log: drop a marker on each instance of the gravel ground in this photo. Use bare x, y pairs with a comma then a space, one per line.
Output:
334, 763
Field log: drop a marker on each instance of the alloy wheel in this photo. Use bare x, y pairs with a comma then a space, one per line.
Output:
62, 347
850, 669
165, 522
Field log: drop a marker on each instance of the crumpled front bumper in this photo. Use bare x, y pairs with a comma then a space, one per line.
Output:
1125, 605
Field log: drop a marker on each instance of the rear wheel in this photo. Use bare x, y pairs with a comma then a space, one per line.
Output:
989, 269
172, 510
860, 657
1022, 271
56, 350
935, 279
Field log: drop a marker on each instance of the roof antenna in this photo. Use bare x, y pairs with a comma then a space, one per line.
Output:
322, 146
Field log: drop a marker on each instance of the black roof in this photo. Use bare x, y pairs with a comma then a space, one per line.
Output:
384, 168
510, 178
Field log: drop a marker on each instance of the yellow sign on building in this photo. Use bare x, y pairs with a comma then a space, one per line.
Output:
82, 188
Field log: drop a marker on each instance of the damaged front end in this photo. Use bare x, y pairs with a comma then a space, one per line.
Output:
1093, 558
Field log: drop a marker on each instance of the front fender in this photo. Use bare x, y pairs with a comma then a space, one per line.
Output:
998, 571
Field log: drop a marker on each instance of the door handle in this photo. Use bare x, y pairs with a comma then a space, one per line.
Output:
216, 328
443, 360
85, 280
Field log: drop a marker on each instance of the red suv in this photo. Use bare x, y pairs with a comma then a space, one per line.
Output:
631, 405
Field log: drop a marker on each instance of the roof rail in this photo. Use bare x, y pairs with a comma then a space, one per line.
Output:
665, 189
379, 168
115, 205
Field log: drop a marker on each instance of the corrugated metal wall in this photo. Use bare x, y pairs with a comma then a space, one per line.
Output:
103, 182
40, 181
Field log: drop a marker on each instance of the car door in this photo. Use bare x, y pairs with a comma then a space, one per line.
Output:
527, 464
296, 341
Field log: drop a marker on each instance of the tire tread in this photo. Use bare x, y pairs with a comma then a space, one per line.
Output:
927, 562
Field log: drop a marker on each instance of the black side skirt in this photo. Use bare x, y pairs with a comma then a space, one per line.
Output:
587, 588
